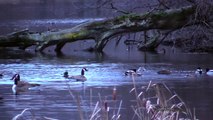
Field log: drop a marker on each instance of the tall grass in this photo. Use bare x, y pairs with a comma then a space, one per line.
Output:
157, 102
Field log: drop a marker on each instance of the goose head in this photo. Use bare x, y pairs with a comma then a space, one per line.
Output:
16, 77
83, 71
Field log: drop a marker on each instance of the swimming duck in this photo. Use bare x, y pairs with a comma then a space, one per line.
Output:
135, 71
199, 71
66, 75
80, 77
21, 86
1, 74
209, 72
164, 71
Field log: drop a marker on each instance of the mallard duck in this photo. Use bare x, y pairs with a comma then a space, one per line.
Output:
135, 71
1, 74
80, 77
199, 71
209, 72
21, 86
164, 71
66, 74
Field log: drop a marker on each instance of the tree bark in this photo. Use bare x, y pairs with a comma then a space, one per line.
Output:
102, 31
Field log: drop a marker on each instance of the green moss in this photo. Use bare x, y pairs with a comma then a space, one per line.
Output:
71, 35
97, 24
57, 36
129, 16
178, 15
75, 35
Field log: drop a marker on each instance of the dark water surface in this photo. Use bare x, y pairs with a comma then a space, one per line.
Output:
106, 71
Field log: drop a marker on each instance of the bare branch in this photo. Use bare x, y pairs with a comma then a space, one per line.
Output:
191, 1
118, 10
163, 4
104, 3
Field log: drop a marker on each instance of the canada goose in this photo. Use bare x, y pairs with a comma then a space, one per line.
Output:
164, 71
135, 71
199, 71
209, 72
80, 77
21, 86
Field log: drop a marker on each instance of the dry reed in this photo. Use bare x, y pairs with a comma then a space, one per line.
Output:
157, 102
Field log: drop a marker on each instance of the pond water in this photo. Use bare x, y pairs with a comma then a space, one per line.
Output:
105, 71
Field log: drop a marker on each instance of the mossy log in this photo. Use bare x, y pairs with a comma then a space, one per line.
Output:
17, 39
101, 31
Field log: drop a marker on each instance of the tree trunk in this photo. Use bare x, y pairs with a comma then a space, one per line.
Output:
102, 31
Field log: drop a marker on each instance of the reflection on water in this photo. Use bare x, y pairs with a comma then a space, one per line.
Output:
105, 71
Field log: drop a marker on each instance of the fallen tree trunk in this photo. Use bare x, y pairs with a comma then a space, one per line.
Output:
17, 39
102, 31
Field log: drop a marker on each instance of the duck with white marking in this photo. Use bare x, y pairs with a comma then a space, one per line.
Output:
199, 71
21, 86
209, 72
81, 77
137, 72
